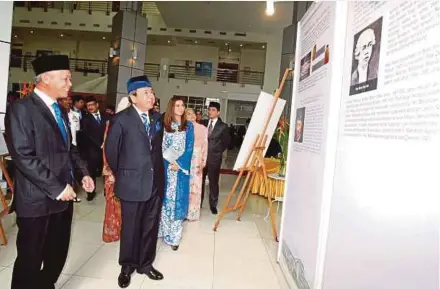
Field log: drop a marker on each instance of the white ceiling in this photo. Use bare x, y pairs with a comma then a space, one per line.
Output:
230, 16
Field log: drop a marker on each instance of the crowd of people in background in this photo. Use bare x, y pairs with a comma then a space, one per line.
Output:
154, 168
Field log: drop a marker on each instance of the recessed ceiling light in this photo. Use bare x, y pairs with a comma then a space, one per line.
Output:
270, 9
230, 50
103, 37
241, 45
62, 35
263, 46
32, 31
15, 36
196, 42
169, 41
226, 43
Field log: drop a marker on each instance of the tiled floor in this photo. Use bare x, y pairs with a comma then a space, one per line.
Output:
240, 255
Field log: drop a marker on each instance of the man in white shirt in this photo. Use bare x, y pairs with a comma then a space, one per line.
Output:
40, 147
74, 118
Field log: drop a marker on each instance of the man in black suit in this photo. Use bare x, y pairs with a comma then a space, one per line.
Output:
39, 142
218, 141
92, 131
134, 153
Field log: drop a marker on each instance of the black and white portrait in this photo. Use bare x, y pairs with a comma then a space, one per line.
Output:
365, 59
299, 124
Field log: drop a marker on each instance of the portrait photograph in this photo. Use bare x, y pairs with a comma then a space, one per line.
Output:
365, 58
299, 124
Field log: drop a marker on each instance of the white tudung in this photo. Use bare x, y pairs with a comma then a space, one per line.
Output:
123, 104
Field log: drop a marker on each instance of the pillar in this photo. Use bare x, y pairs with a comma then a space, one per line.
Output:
272, 64
288, 51
6, 11
129, 41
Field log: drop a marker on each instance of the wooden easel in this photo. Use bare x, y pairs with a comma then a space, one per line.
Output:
256, 157
4, 210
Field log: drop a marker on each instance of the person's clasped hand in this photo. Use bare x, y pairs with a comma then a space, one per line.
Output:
88, 184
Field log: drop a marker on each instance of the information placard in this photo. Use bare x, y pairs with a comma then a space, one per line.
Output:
384, 221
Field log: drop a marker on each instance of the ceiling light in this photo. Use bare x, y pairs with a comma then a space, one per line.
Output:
263, 46
169, 41
32, 31
230, 50
226, 43
196, 42
241, 45
15, 36
103, 37
270, 8
62, 35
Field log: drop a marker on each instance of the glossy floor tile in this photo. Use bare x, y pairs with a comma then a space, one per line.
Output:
240, 254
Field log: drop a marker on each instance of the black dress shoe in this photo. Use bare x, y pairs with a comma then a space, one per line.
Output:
214, 210
91, 196
175, 248
154, 274
124, 280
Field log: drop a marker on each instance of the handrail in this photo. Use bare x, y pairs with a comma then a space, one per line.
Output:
148, 7
152, 70
219, 75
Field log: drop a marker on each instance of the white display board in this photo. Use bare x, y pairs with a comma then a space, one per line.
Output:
362, 201
312, 147
384, 222
259, 118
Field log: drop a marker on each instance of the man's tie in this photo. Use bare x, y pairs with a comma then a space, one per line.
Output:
146, 121
60, 121
98, 117
210, 128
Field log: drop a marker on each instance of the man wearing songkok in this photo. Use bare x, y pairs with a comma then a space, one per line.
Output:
40, 144
134, 153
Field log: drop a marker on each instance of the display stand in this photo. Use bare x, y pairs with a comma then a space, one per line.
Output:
256, 157
4, 210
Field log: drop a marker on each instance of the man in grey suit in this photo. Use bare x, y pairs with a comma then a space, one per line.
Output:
134, 153
39, 142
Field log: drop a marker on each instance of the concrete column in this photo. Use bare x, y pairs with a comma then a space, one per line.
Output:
6, 11
288, 50
129, 41
272, 64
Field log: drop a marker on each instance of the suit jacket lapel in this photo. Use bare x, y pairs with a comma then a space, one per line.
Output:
47, 114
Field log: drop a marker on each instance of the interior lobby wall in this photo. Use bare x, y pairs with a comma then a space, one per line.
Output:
98, 50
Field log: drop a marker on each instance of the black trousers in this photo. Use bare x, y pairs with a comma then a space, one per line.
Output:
139, 230
43, 240
213, 173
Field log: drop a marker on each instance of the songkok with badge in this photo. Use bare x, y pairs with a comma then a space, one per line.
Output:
137, 82
48, 63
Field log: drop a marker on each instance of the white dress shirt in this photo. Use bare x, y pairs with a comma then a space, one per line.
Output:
46, 99
140, 113
75, 124
213, 121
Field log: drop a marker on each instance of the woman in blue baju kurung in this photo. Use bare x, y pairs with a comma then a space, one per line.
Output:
177, 148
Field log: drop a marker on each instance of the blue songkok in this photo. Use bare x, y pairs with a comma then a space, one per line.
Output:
137, 82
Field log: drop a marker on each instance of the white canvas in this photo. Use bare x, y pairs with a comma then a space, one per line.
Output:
259, 118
